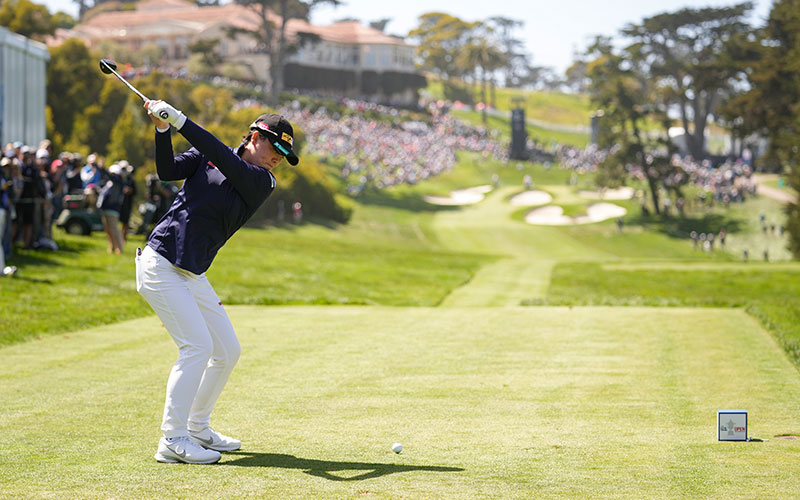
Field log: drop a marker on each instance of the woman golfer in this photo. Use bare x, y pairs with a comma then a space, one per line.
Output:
222, 189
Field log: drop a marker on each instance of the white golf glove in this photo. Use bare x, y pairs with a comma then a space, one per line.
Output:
166, 112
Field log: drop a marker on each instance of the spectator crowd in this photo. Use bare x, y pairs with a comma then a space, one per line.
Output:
37, 187
383, 153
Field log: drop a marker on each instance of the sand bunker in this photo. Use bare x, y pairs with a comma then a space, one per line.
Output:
623, 193
553, 215
468, 196
531, 199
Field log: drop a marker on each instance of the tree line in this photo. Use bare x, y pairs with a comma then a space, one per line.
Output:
694, 67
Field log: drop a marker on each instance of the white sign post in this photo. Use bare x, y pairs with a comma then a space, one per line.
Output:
732, 425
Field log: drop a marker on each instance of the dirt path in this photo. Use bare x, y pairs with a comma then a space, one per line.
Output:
781, 195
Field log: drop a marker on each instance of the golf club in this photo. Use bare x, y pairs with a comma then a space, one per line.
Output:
108, 66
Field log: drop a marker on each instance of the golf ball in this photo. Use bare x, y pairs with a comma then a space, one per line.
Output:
397, 447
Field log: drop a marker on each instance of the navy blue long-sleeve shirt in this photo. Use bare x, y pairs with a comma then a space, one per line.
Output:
219, 194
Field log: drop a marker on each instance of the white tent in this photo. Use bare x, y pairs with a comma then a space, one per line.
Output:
22, 89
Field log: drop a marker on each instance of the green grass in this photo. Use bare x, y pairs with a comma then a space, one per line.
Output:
406, 325
542, 135
374, 262
488, 403
552, 107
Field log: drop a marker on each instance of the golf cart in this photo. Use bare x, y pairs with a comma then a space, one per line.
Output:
79, 215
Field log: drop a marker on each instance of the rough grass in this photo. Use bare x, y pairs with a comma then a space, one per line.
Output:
553, 107
541, 135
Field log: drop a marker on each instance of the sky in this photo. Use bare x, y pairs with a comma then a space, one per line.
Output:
553, 31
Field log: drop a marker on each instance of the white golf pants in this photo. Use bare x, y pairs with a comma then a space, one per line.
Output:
207, 345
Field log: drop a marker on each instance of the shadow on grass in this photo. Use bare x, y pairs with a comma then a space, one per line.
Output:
681, 227
405, 201
326, 469
29, 258
32, 280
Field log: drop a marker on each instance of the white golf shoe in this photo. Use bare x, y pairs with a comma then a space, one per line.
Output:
213, 440
183, 449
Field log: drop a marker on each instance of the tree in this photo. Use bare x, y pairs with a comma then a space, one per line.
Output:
380, 24
132, 137
440, 39
26, 18
271, 33
204, 57
684, 53
628, 102
85, 6
73, 83
63, 20
514, 57
211, 103
93, 126
771, 105
483, 56
576, 77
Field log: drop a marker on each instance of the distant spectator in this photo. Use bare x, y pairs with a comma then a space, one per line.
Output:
109, 201
6, 187
31, 196
90, 173
297, 212
128, 193
693, 236
45, 209
73, 173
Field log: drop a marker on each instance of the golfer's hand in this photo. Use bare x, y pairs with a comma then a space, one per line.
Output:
161, 125
165, 113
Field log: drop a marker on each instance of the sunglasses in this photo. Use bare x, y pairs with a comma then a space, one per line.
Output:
277, 146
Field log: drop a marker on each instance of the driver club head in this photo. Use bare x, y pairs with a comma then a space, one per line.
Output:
107, 66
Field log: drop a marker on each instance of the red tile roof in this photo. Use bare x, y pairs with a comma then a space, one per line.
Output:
177, 14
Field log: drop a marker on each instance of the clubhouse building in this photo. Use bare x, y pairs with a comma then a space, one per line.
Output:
344, 58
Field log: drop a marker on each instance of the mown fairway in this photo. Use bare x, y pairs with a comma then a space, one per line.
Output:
489, 403
421, 335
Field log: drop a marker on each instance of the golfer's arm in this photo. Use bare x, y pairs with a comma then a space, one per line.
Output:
173, 168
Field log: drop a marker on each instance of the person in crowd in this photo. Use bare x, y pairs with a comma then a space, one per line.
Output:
58, 185
44, 220
109, 202
6, 188
33, 192
158, 198
90, 173
73, 173
128, 194
222, 189
12, 224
